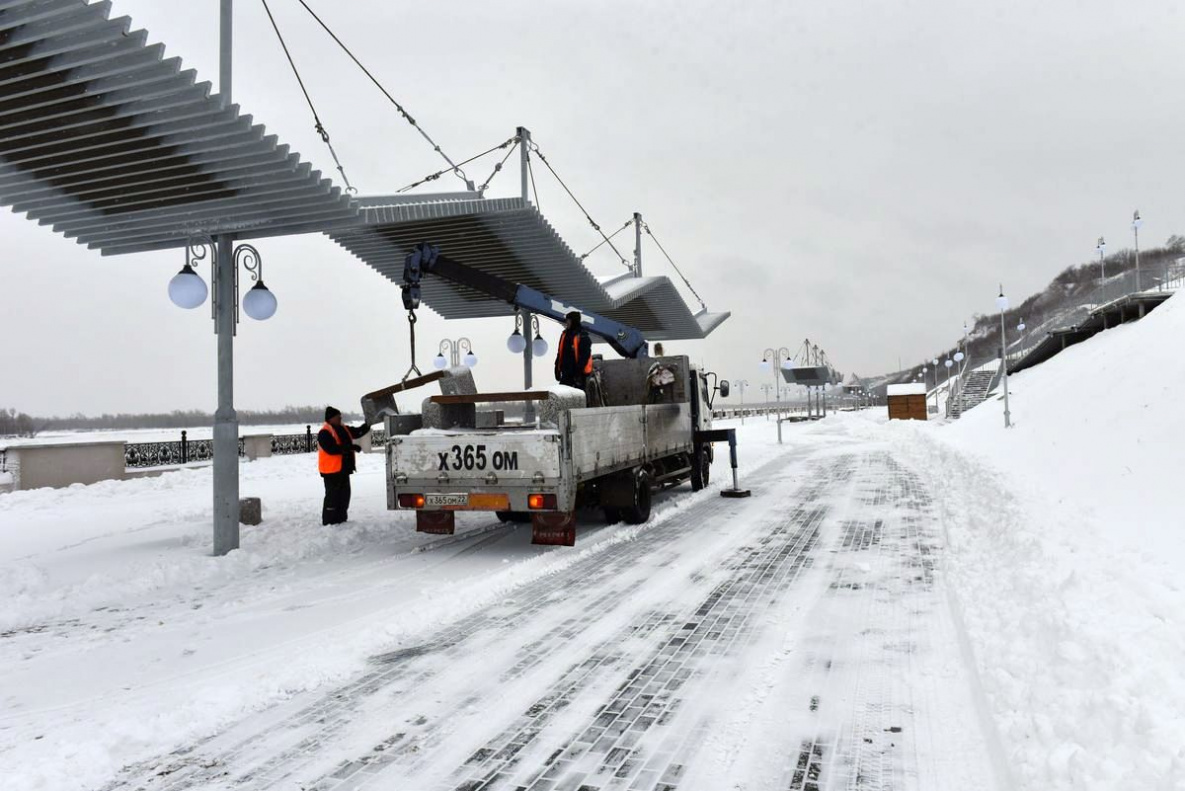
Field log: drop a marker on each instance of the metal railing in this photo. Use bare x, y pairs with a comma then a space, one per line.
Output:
164, 454
288, 444
186, 451
1157, 278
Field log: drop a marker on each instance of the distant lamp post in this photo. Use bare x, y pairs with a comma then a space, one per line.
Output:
1102, 248
741, 384
775, 360
187, 289
454, 349
1021, 327
1136, 223
1002, 304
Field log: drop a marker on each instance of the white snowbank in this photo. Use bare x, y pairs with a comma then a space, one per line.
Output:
1067, 539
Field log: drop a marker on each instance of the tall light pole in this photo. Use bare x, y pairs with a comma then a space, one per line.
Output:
779, 358
1002, 304
226, 420
1136, 223
741, 384
934, 362
765, 395
966, 333
1102, 248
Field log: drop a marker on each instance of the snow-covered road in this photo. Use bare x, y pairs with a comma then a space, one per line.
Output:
802, 639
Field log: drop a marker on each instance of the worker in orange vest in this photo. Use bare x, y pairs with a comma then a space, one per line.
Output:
573, 360
335, 462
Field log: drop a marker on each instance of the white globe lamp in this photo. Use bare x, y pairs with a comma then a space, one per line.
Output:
187, 289
260, 302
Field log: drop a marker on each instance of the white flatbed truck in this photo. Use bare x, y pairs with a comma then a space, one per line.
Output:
645, 436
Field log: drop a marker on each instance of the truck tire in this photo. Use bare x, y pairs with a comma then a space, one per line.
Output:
701, 470
639, 512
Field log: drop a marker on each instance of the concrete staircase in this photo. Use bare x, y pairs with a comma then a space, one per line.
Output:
976, 387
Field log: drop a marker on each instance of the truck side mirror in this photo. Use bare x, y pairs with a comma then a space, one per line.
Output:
723, 388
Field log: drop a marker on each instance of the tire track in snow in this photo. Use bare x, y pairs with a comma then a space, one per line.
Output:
635, 737
249, 760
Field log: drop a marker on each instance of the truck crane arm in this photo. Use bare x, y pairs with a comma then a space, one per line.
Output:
426, 259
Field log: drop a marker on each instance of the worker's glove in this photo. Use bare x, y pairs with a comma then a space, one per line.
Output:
356, 448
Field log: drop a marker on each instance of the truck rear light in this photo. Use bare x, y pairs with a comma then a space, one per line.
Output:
539, 502
411, 501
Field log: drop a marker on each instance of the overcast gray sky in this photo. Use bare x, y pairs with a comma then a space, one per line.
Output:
860, 173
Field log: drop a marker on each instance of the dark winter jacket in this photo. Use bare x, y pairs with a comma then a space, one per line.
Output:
572, 360
330, 445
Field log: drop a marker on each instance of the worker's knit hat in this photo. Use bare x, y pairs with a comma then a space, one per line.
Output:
331, 413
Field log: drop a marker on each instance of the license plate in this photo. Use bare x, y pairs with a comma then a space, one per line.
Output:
446, 500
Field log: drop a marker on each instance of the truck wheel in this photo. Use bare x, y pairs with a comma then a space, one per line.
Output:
701, 470
639, 512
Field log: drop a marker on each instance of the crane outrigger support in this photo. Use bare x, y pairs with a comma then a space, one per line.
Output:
728, 435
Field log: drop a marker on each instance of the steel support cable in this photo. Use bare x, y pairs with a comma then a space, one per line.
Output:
320, 127
455, 169
587, 216
601, 243
674, 266
498, 167
531, 173
440, 173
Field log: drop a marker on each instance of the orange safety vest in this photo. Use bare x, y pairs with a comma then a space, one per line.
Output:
327, 463
559, 358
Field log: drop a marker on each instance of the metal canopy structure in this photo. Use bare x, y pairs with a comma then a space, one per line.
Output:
509, 237
112, 145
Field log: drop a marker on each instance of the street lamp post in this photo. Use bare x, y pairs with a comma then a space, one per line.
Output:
765, 395
779, 359
1002, 304
1102, 248
525, 323
1136, 223
741, 384
454, 349
934, 362
188, 290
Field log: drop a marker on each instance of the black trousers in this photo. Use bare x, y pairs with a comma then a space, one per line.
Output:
335, 509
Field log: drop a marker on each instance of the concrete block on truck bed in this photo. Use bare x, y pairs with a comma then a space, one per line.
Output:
446, 416
559, 399
458, 381
399, 425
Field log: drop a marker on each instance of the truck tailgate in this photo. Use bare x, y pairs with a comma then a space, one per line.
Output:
475, 462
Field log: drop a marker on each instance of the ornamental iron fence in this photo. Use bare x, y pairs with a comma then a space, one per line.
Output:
185, 450
164, 454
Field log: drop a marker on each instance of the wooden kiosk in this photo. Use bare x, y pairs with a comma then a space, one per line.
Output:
907, 401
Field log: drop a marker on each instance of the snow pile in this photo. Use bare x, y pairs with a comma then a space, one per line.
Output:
1067, 539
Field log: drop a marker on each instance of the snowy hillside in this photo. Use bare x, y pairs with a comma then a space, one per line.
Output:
1070, 552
